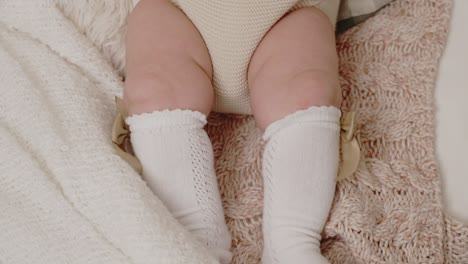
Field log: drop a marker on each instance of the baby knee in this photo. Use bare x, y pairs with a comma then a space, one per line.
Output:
298, 92
146, 93
314, 88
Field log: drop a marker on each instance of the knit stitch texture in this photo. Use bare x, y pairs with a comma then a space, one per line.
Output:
390, 210
178, 166
232, 30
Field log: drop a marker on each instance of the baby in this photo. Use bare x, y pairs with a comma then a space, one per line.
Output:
274, 59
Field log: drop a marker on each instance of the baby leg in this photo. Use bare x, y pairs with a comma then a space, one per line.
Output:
168, 94
295, 94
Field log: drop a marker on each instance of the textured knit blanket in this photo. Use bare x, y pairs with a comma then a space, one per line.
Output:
67, 197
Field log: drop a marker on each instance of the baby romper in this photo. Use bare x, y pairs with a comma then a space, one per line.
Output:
232, 29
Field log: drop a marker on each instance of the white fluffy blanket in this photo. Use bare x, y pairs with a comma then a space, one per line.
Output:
65, 195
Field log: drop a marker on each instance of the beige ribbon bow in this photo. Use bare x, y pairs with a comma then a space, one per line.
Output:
350, 151
121, 137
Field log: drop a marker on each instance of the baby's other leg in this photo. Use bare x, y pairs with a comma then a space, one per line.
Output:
168, 65
295, 94
168, 94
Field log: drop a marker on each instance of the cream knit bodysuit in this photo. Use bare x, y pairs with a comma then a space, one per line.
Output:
232, 29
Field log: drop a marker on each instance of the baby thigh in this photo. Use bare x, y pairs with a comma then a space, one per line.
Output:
294, 67
167, 62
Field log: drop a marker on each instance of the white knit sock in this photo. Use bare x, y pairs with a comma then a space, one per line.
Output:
177, 159
300, 165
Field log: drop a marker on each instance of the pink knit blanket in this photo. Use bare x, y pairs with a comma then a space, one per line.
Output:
390, 210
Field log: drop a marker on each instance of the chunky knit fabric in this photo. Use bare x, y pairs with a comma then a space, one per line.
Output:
390, 210
232, 31
66, 197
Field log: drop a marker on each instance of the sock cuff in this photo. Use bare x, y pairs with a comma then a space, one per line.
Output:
178, 118
328, 115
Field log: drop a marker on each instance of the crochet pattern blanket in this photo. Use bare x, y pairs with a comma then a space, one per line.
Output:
67, 197
390, 210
